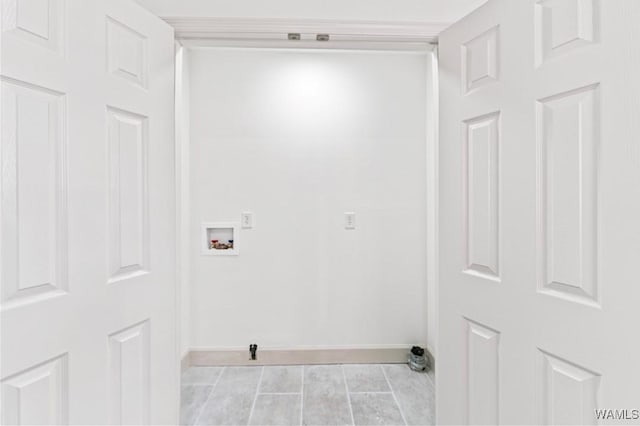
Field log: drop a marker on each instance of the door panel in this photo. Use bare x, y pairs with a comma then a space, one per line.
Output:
481, 148
539, 199
35, 217
87, 214
568, 142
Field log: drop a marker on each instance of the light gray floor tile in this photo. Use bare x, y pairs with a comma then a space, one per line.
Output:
375, 409
192, 397
232, 398
201, 375
325, 397
276, 410
414, 392
365, 378
236, 378
281, 379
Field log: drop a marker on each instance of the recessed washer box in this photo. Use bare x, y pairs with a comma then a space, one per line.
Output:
220, 238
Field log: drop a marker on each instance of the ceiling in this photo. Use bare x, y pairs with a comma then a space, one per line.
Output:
442, 11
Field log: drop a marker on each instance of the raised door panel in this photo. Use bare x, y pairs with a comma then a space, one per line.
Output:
568, 138
562, 26
483, 374
129, 384
126, 53
37, 395
480, 60
36, 21
569, 392
128, 195
482, 189
34, 213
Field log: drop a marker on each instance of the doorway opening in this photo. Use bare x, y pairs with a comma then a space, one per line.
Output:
333, 151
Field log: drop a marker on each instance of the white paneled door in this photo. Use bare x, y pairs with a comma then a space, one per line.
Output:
87, 214
540, 214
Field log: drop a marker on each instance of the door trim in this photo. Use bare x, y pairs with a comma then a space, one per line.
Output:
227, 31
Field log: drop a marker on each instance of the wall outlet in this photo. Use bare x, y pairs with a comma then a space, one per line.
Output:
349, 220
246, 220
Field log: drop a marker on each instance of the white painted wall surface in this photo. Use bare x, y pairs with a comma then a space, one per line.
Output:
299, 138
376, 10
147, 4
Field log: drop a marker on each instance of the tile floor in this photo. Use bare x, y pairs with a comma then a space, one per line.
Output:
362, 394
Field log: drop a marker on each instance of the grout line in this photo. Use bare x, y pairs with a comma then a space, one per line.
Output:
346, 388
302, 398
213, 388
384, 373
374, 392
255, 398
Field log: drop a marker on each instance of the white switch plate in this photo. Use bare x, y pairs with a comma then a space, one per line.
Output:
246, 220
349, 220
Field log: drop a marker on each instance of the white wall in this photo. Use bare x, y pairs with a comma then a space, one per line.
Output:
147, 4
298, 138
376, 10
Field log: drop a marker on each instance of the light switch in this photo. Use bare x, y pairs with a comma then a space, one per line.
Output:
349, 220
247, 220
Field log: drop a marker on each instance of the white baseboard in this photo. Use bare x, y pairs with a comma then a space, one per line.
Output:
296, 356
